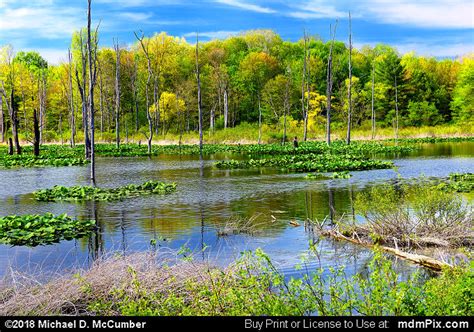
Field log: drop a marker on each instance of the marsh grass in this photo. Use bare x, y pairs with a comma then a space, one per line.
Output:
147, 284
415, 215
240, 225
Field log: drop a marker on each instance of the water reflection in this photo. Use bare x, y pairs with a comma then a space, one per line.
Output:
205, 200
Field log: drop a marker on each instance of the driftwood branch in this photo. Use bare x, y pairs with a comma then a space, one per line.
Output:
425, 261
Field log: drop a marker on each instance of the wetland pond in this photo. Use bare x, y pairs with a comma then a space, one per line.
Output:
205, 199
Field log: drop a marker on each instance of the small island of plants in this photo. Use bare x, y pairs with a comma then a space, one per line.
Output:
86, 193
33, 230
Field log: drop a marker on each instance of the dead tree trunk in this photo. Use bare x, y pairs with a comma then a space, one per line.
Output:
303, 78
329, 87
71, 102
198, 79
15, 122
349, 92
10, 146
37, 134
82, 90
117, 94
226, 107
147, 97
92, 57
373, 109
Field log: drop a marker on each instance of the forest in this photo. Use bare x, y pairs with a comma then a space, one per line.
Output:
252, 79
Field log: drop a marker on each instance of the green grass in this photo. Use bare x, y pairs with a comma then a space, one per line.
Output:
33, 230
252, 285
83, 193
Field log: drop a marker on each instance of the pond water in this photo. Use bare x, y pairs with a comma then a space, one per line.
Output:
206, 198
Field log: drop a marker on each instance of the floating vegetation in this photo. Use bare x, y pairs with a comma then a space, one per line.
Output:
27, 160
458, 182
341, 175
316, 176
432, 140
33, 230
85, 193
310, 163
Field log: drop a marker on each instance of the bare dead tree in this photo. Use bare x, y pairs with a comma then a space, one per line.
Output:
71, 102
349, 90
81, 84
36, 131
226, 106
329, 83
92, 59
147, 97
198, 79
10, 102
117, 93
303, 88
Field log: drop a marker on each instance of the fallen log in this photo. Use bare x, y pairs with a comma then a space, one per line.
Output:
423, 260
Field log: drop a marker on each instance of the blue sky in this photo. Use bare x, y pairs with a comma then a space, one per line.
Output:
437, 28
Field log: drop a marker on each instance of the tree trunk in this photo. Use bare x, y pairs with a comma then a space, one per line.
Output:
117, 95
37, 135
373, 109
15, 122
211, 118
349, 92
10, 146
82, 91
199, 94
92, 73
303, 109
226, 107
329, 88
147, 96
71, 102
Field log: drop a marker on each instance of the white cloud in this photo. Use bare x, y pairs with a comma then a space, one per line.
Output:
247, 6
315, 9
421, 13
135, 16
213, 34
45, 22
